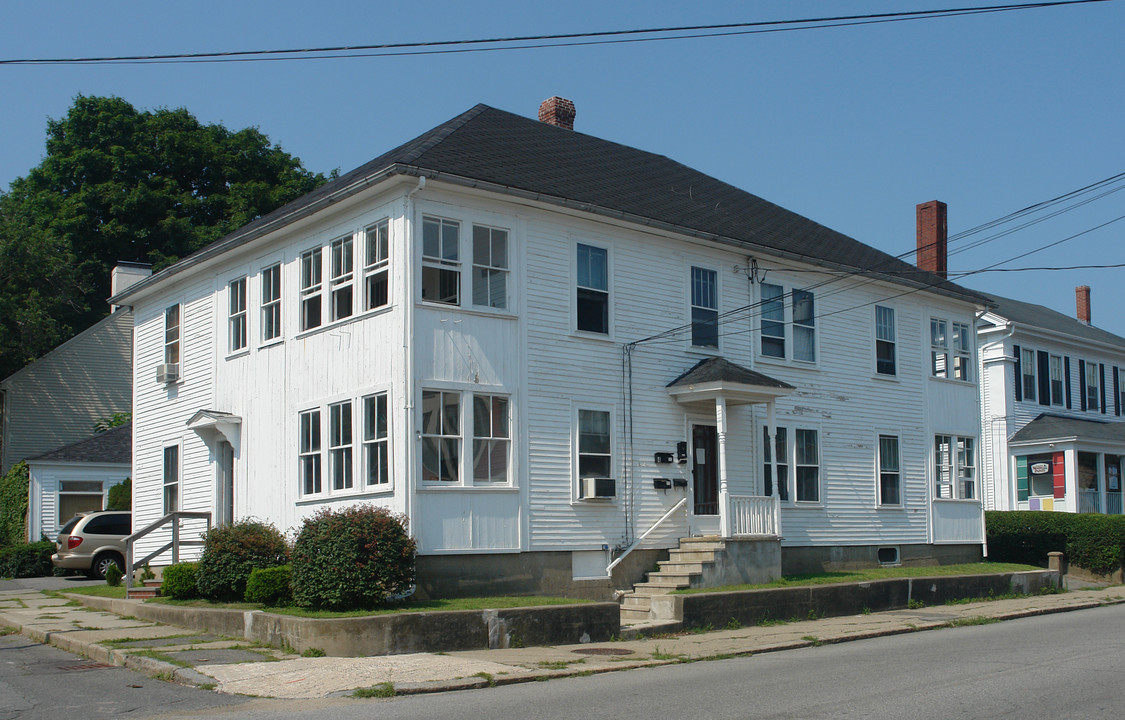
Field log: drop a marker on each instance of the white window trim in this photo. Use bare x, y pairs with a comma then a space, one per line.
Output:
1096, 405
312, 291
615, 470
178, 342
234, 316
955, 483
1062, 379
951, 352
358, 446
265, 306
956, 353
893, 342
345, 279
691, 306
473, 265
368, 446
438, 263
471, 440
879, 436
345, 410
317, 454
589, 242
1032, 376
374, 268
179, 483
789, 327
465, 481
791, 463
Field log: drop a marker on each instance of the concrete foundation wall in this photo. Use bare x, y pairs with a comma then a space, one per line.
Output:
743, 562
804, 560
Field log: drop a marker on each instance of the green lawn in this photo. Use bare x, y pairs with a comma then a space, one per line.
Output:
867, 575
108, 591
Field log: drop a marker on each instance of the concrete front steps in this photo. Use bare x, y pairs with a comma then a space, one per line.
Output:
684, 568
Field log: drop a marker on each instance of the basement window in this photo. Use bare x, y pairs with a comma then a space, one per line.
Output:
888, 556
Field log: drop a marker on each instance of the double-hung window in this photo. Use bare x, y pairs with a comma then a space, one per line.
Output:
885, 363
376, 270
954, 467
490, 439
780, 309
311, 289
271, 302
236, 319
171, 478
1028, 369
1093, 386
951, 350
172, 335
441, 263
441, 436
780, 462
376, 460
962, 352
807, 460
595, 445
773, 320
804, 326
340, 445
593, 289
704, 308
490, 267
1055, 363
342, 279
309, 452
1121, 389
939, 348
890, 472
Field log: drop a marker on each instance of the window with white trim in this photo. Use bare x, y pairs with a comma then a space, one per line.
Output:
704, 307
807, 461
885, 363
308, 456
939, 348
172, 335
951, 350
271, 302
236, 319
592, 292
954, 467
80, 496
491, 441
441, 436
441, 260
341, 282
376, 270
595, 444
780, 309
340, 445
962, 352
1028, 369
376, 446
773, 320
490, 267
1055, 363
804, 326
1093, 386
311, 289
171, 478
1121, 389
890, 472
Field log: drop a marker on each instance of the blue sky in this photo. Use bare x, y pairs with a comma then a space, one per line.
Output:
851, 127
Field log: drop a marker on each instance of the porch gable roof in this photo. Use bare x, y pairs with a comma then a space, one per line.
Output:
718, 377
1053, 428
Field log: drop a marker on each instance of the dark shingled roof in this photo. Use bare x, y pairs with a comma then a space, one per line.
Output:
719, 369
511, 153
112, 446
1024, 313
1055, 427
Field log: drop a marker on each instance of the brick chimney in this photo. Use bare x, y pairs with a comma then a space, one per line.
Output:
932, 236
1082, 300
557, 111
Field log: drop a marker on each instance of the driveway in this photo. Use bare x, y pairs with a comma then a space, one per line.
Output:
48, 583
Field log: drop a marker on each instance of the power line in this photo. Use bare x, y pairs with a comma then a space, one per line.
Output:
544, 41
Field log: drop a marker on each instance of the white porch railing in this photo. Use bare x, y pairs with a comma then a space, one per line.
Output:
754, 515
1113, 504
1089, 501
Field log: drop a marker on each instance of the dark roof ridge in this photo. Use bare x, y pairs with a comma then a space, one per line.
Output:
113, 446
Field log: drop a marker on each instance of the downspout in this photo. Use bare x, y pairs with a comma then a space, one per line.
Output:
408, 277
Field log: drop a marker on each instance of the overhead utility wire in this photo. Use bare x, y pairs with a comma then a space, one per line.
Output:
422, 47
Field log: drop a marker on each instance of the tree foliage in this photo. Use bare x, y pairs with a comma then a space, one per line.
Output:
13, 505
119, 183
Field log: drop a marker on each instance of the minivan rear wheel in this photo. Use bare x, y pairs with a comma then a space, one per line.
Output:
102, 562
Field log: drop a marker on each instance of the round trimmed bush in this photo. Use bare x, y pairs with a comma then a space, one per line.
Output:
179, 580
270, 586
352, 558
232, 552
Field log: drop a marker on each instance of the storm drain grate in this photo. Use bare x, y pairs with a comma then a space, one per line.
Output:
84, 666
603, 651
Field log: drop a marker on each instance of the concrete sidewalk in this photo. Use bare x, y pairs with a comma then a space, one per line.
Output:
234, 666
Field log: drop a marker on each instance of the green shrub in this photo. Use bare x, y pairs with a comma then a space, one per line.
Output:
178, 581
1095, 543
270, 586
120, 496
232, 552
113, 575
27, 560
352, 558
13, 505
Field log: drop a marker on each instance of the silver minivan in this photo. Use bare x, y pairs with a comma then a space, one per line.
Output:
90, 542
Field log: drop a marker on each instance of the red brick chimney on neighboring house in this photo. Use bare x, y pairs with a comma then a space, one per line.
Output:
932, 236
1082, 300
557, 111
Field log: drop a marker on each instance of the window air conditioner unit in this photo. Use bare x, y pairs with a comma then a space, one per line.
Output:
167, 373
597, 488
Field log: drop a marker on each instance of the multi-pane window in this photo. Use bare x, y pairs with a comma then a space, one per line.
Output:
1121, 389
441, 436
962, 352
441, 261
939, 348
172, 335
1055, 363
271, 302
773, 320
704, 307
780, 464
595, 447
311, 289
376, 270
171, 479
490, 439
342, 280
804, 326
490, 267
885, 363
376, 460
951, 350
340, 445
954, 467
236, 318
309, 452
807, 460
1027, 373
593, 289
890, 472
1093, 386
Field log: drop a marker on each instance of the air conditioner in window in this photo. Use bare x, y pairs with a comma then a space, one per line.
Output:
597, 488
167, 373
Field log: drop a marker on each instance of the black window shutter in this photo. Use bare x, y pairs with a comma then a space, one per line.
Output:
1019, 373
1082, 383
1066, 374
1101, 384
1116, 393
1044, 378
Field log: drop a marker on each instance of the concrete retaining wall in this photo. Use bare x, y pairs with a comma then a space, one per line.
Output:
806, 560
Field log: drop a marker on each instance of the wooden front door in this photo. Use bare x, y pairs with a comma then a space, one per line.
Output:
705, 469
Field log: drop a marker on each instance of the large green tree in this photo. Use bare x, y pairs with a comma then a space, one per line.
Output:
119, 183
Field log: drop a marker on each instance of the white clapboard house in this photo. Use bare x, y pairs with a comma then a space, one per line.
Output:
1052, 402
545, 349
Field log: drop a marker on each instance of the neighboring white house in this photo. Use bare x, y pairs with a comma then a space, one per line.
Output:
1051, 409
535, 344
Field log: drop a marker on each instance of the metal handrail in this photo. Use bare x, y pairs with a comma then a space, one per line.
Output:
174, 518
645, 534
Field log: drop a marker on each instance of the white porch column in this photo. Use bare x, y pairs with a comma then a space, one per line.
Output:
724, 494
1102, 499
771, 432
